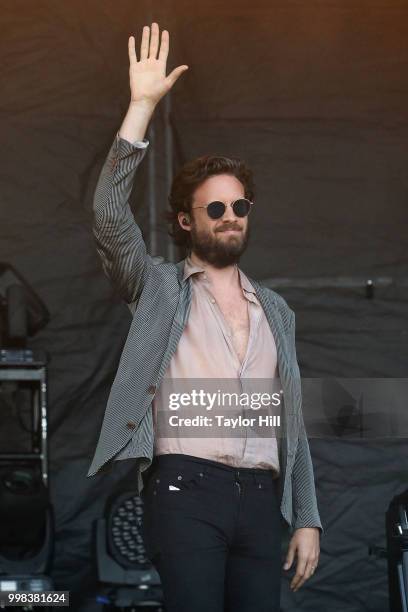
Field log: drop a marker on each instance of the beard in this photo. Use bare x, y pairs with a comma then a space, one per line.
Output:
218, 250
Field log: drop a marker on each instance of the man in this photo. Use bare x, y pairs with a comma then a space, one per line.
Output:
214, 508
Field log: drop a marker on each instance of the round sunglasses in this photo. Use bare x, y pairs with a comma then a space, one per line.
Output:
215, 210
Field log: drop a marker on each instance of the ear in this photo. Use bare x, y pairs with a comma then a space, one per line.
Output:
184, 220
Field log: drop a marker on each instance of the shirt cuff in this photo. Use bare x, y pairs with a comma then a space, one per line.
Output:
142, 144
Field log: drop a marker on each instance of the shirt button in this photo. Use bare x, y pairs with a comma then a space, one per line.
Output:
212, 301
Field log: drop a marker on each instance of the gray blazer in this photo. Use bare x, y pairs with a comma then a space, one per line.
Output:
159, 301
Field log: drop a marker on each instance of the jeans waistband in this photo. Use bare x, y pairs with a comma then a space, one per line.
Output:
177, 460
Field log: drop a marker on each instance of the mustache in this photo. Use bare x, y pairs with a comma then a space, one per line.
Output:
225, 228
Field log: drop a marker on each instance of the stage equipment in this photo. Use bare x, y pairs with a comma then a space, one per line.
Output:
22, 312
128, 579
396, 552
397, 548
26, 518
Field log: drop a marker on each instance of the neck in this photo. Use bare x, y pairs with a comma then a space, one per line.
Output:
219, 277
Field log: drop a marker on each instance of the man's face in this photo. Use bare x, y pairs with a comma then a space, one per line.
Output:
222, 241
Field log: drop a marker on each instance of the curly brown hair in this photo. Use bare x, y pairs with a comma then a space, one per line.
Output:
190, 176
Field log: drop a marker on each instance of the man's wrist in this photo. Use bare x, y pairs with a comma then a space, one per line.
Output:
146, 106
318, 528
136, 121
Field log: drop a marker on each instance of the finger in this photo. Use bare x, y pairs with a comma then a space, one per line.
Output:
309, 571
298, 577
289, 557
312, 565
164, 46
300, 584
154, 41
144, 46
174, 75
132, 51
306, 575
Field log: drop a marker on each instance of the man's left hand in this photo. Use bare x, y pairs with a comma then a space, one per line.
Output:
306, 542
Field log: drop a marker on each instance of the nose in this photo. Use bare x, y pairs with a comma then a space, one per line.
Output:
230, 220
229, 214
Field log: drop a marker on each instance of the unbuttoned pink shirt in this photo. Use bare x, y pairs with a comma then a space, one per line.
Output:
205, 350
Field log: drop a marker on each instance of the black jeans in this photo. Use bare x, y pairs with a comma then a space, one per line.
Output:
214, 534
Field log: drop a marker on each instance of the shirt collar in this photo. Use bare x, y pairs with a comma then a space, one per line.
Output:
192, 268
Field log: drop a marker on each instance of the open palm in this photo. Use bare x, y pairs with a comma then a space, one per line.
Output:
148, 81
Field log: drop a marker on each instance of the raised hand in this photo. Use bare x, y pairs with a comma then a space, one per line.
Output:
148, 80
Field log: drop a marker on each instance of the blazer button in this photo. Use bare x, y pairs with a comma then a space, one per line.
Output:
130, 425
152, 389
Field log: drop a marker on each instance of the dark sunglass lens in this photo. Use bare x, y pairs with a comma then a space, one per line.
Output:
215, 210
241, 207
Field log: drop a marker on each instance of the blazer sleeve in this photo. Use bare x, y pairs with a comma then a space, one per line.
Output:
306, 513
118, 238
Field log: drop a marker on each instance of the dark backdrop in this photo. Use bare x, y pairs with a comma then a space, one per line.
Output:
314, 96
